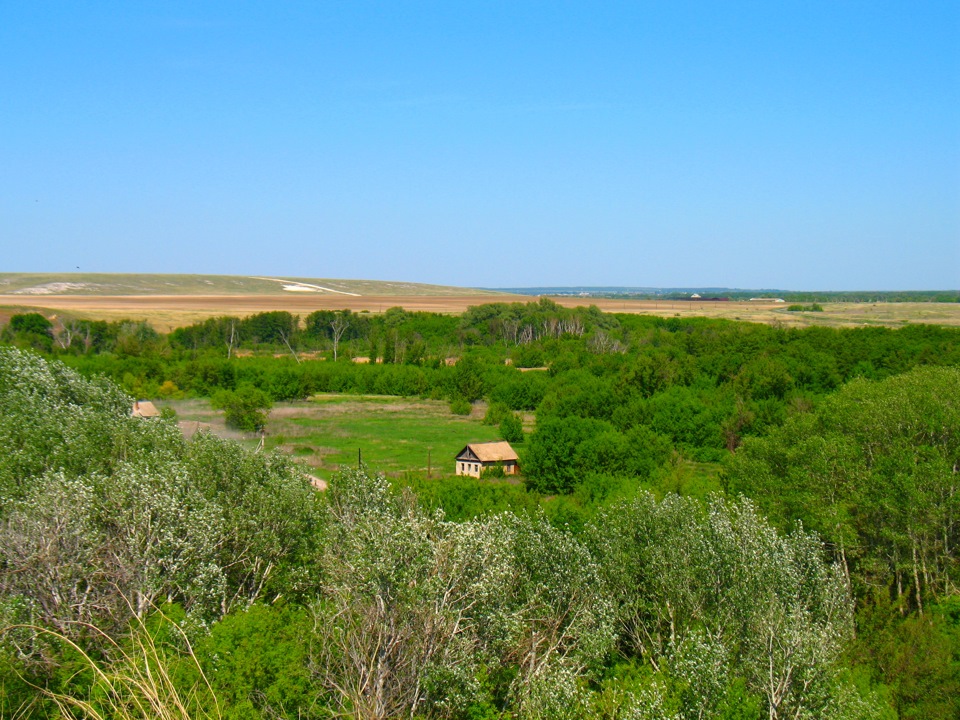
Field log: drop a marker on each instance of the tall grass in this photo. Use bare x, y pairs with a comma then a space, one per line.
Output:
136, 683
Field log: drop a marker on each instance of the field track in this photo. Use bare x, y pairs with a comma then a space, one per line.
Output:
169, 311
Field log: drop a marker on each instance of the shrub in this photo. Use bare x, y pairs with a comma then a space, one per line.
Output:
245, 408
511, 428
459, 406
494, 471
31, 323
496, 412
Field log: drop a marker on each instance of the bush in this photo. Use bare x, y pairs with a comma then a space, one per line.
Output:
245, 408
496, 412
459, 406
34, 323
494, 471
511, 428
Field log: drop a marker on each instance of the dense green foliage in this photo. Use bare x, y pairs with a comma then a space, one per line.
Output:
629, 576
245, 408
105, 515
875, 470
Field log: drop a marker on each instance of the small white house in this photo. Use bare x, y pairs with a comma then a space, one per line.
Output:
476, 457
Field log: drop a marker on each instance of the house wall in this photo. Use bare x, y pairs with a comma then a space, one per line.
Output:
473, 469
468, 468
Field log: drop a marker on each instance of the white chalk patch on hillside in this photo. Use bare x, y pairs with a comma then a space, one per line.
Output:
51, 288
294, 286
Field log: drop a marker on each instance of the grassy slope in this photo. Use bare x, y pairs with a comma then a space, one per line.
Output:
147, 284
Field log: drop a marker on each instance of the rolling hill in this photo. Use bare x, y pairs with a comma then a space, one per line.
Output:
111, 284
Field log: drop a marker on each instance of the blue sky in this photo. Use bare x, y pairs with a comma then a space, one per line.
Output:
795, 145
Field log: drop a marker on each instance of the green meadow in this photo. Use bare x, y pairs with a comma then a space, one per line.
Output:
394, 435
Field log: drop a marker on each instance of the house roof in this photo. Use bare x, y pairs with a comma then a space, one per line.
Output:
144, 409
492, 451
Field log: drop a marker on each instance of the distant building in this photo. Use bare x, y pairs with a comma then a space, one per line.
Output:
695, 296
477, 457
144, 409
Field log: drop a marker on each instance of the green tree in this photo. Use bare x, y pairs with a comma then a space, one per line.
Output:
467, 380
552, 448
30, 330
257, 662
245, 408
511, 428
417, 611
34, 323
710, 593
874, 470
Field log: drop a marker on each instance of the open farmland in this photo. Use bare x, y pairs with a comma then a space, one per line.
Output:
840, 314
166, 312
170, 301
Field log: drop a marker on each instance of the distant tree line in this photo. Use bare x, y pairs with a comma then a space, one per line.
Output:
793, 296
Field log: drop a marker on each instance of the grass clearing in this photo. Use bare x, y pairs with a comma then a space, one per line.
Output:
395, 435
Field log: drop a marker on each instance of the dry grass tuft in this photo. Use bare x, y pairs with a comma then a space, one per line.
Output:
136, 684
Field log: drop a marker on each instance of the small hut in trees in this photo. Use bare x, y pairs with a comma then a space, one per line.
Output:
477, 457
144, 409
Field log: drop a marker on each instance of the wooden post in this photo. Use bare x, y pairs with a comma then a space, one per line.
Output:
428, 463
359, 459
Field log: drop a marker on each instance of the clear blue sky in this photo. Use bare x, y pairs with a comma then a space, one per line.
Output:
787, 144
